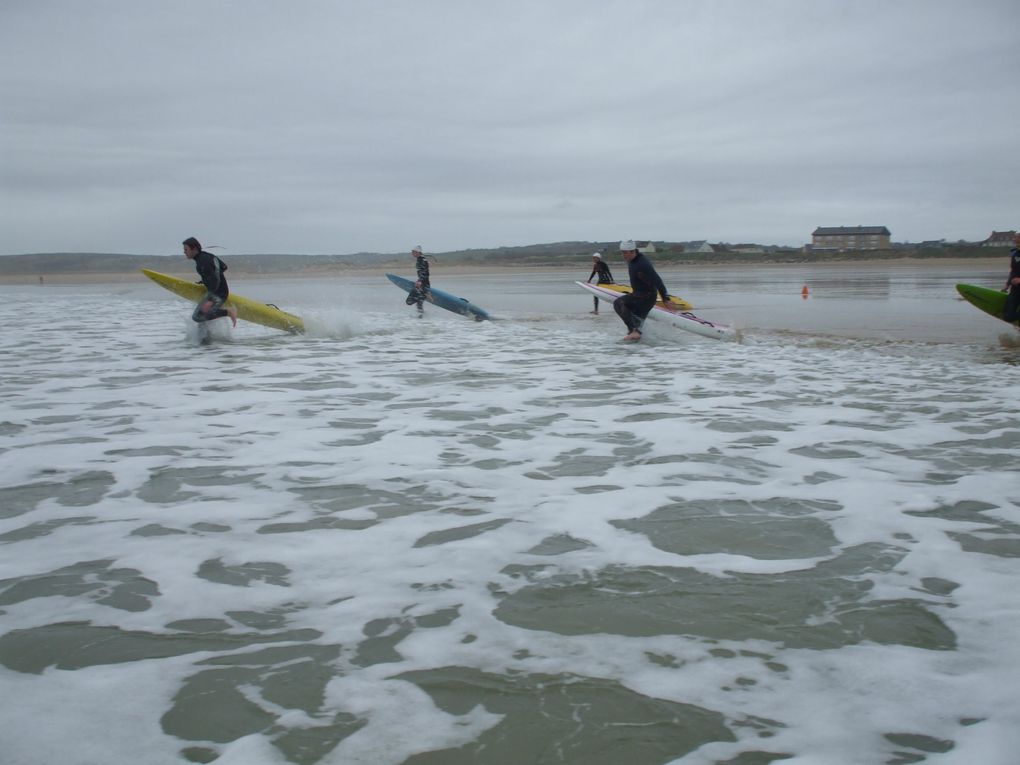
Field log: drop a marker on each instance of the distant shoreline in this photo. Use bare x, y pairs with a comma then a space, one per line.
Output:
577, 270
573, 256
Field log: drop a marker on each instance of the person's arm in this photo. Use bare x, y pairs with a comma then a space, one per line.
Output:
209, 273
594, 270
661, 288
609, 275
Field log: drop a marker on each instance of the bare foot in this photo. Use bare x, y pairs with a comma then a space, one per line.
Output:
596, 313
232, 313
633, 337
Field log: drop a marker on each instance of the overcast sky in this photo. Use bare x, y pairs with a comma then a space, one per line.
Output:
340, 126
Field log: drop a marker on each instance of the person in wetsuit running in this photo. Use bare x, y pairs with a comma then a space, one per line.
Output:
420, 293
645, 284
210, 269
601, 269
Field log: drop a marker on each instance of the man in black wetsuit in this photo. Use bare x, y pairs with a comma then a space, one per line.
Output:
210, 269
1012, 311
601, 269
420, 293
645, 284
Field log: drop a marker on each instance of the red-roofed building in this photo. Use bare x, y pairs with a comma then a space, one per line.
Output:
1000, 239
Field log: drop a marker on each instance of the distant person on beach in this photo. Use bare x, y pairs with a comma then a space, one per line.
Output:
420, 293
210, 269
1012, 311
645, 284
600, 269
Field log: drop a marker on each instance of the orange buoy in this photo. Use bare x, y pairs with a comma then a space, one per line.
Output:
804, 292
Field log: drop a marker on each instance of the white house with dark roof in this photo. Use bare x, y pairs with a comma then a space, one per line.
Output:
699, 246
850, 238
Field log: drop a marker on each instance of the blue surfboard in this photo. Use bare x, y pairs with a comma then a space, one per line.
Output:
444, 299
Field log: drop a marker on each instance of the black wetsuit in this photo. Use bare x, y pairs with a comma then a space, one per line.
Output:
210, 269
421, 290
645, 284
601, 269
1012, 311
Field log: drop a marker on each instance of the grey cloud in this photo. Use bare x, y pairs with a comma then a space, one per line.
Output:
337, 127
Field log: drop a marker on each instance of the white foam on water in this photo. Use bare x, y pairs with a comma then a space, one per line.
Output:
384, 484
62, 716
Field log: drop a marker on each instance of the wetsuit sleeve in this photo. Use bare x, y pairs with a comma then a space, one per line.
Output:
660, 286
594, 271
209, 273
609, 274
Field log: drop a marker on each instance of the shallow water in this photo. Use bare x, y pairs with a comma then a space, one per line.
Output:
441, 541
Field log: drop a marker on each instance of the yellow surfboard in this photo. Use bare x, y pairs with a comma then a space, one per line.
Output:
678, 303
249, 310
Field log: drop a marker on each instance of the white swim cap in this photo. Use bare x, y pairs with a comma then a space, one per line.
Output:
416, 248
627, 244
596, 255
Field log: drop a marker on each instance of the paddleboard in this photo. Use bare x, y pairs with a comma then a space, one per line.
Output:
992, 302
249, 310
443, 299
623, 289
684, 320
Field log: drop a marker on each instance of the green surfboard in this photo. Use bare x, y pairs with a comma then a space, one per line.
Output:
992, 302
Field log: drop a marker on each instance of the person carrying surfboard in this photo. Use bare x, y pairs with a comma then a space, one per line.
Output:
601, 269
1011, 312
420, 293
645, 284
210, 269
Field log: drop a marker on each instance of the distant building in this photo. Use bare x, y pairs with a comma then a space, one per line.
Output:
999, 239
647, 248
699, 246
850, 238
747, 249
